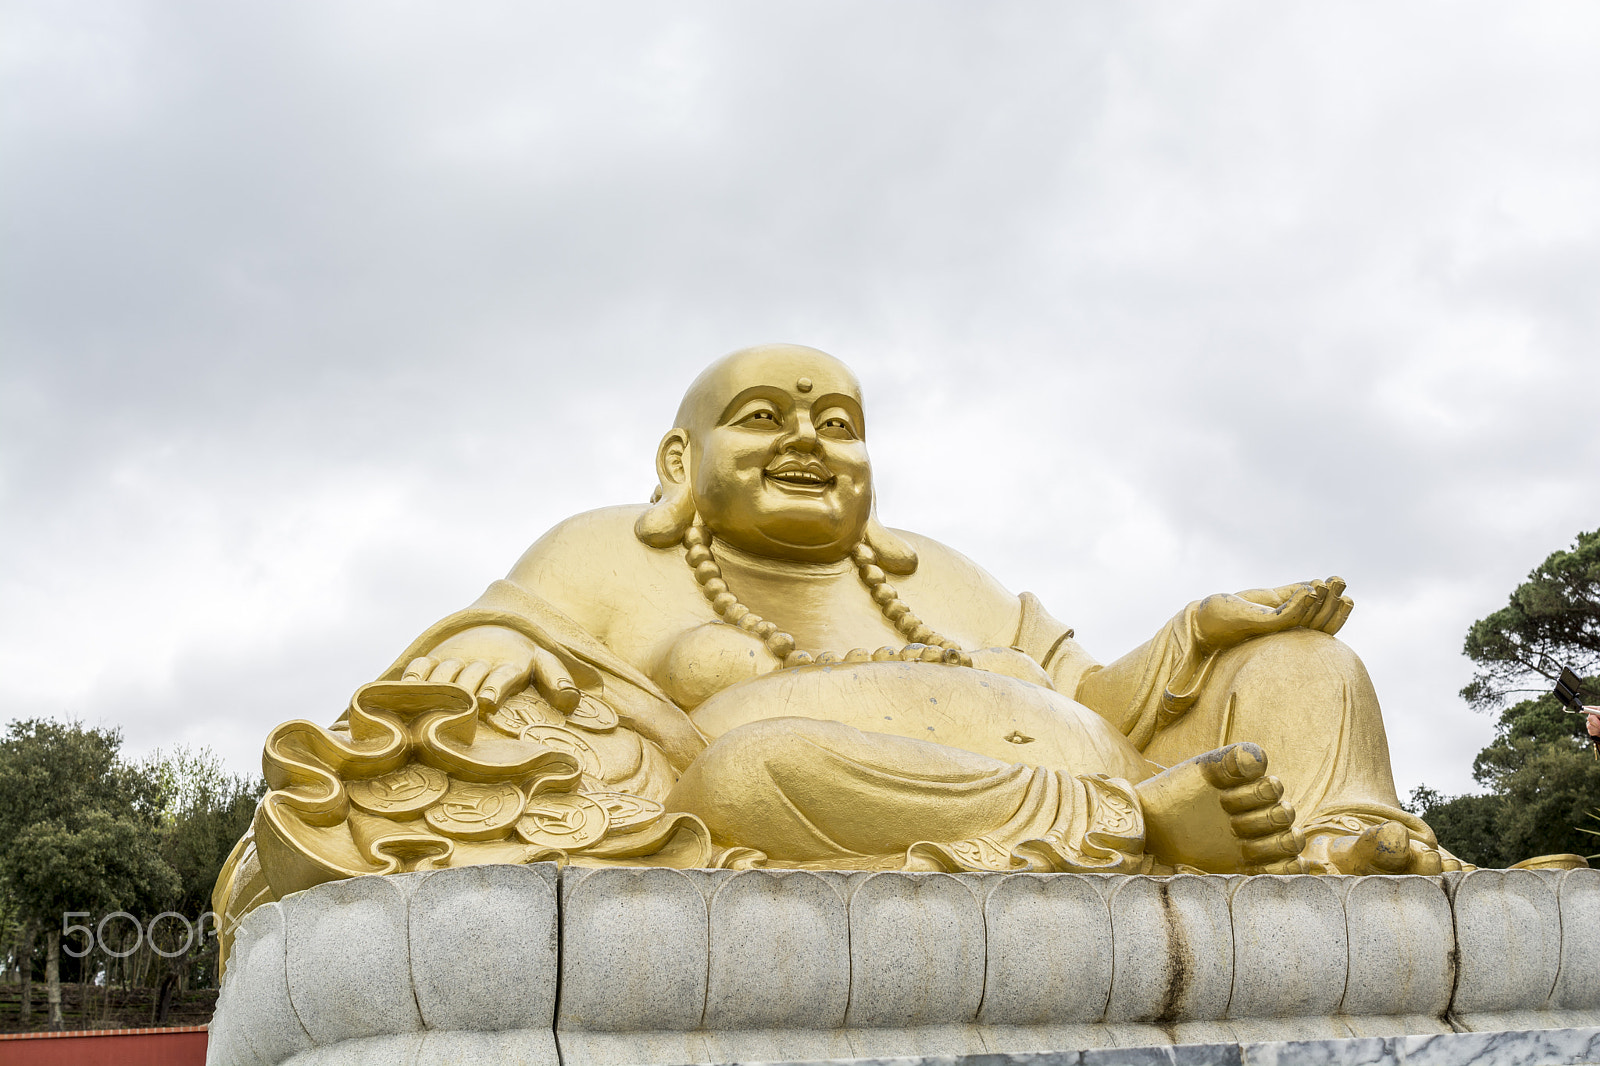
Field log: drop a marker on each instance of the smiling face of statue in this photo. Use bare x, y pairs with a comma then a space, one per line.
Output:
777, 453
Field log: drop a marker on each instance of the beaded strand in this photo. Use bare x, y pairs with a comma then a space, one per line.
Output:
924, 644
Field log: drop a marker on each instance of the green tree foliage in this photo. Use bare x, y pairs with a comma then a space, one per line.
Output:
1539, 772
205, 810
83, 830
1552, 620
79, 826
77, 831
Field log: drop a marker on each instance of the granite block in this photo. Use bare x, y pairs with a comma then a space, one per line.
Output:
1149, 1034
483, 947
1508, 936
917, 1041
673, 1047
1049, 951
506, 1047
1043, 1039
1291, 953
391, 1049
1402, 947
349, 966
1172, 950
634, 948
776, 1045
779, 953
1395, 1024
255, 1021
1577, 985
917, 948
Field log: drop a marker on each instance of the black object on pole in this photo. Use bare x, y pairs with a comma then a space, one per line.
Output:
1567, 690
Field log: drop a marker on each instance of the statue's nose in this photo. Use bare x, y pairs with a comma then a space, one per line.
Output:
803, 437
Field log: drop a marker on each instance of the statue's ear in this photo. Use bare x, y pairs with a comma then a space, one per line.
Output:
894, 554
671, 509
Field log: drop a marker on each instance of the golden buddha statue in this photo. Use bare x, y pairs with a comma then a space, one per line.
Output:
751, 670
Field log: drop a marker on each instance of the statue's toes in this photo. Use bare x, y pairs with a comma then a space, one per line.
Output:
1263, 851
1428, 862
1263, 821
1388, 848
1262, 792
1234, 765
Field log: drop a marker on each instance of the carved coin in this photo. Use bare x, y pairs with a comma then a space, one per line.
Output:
565, 820
593, 714
519, 712
408, 790
470, 811
554, 736
629, 812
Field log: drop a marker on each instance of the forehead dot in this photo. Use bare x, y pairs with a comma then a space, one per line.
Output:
804, 384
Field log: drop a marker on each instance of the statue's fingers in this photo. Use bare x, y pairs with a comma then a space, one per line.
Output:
446, 671
1302, 606
419, 668
503, 680
1341, 614
1324, 613
1285, 593
472, 675
553, 681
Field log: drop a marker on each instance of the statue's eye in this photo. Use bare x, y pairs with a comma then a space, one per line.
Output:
838, 427
761, 416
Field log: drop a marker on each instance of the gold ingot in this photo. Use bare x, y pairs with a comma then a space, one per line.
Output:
564, 820
407, 791
473, 811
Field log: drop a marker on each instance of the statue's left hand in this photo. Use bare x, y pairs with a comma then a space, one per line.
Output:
1223, 620
495, 662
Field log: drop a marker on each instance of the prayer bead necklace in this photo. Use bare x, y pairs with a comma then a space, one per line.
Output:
925, 645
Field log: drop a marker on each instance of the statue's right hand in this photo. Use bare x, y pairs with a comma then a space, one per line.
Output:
494, 662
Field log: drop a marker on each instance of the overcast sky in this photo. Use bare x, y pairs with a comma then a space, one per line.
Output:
314, 315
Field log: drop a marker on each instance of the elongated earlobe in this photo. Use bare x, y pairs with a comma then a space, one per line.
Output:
671, 511
894, 554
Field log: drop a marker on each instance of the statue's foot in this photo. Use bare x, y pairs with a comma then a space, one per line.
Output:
1220, 812
1386, 848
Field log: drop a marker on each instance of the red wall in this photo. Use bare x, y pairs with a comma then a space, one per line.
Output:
177, 1046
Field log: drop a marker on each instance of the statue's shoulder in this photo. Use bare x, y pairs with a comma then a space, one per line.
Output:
595, 546
960, 587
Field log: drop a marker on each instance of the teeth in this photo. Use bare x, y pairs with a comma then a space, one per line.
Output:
804, 476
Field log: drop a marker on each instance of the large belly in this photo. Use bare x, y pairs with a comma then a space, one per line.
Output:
990, 714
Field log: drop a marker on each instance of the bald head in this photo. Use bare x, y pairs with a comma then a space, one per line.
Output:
790, 367
770, 446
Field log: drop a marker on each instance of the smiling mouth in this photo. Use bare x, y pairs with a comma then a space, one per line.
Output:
807, 479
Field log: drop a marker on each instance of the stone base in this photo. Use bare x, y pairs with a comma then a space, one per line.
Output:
1536, 1047
623, 966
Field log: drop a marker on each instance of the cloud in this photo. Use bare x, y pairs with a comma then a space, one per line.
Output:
316, 314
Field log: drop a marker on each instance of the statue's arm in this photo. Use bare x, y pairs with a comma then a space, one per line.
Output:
497, 660
1161, 678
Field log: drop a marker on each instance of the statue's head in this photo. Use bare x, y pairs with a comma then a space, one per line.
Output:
769, 449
